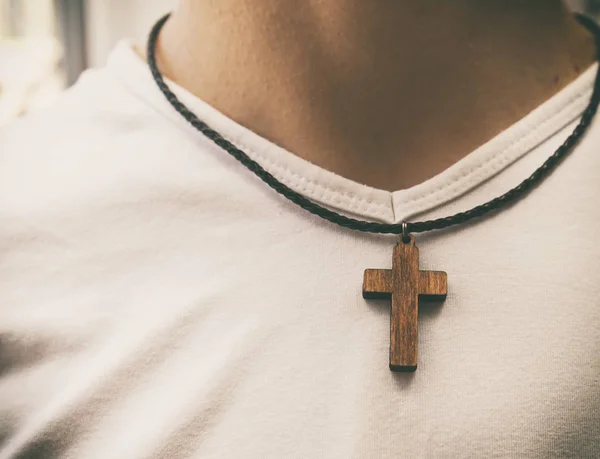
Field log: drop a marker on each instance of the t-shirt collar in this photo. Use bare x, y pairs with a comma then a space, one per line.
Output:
345, 195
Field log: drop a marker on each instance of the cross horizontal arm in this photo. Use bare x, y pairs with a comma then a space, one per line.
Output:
433, 285
377, 284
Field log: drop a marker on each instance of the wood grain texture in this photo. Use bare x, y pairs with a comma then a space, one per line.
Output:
433, 285
404, 329
405, 284
377, 284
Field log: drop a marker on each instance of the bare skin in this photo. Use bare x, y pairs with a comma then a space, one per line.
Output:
384, 93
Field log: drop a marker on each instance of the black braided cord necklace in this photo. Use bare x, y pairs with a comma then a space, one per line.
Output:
373, 227
404, 284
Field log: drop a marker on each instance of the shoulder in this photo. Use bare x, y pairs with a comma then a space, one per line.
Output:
98, 137
90, 115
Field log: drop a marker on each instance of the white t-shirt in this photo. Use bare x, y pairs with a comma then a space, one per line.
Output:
158, 300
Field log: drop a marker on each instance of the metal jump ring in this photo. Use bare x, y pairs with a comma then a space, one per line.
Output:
405, 235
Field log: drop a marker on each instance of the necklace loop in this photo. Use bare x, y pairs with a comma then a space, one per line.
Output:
497, 203
405, 236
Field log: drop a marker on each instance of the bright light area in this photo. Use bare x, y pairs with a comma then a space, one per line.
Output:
30, 57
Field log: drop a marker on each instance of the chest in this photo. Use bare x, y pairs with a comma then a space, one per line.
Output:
273, 328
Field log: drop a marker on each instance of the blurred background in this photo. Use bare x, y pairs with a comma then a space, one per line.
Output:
46, 44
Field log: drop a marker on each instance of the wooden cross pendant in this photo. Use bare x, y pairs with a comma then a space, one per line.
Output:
406, 285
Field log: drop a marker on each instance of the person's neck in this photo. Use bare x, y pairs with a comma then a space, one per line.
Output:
388, 94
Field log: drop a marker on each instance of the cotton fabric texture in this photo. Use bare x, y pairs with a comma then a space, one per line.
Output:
157, 300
